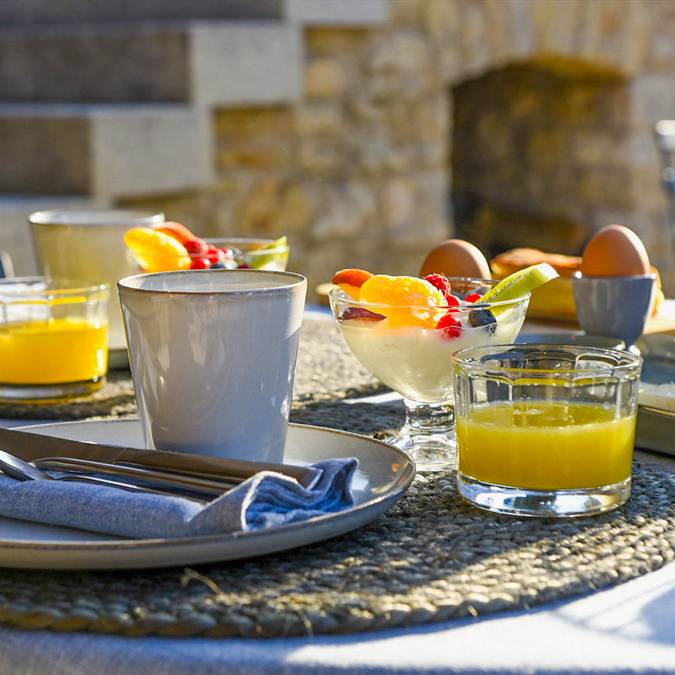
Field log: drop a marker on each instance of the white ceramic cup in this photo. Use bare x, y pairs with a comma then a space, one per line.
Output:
212, 357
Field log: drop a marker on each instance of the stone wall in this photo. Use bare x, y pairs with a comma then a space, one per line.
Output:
358, 171
539, 154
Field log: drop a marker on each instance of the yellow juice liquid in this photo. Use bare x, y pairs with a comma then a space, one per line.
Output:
546, 445
53, 351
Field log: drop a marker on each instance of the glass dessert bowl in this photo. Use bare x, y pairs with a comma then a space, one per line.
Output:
408, 343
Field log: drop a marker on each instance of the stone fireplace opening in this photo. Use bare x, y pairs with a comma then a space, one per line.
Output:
539, 154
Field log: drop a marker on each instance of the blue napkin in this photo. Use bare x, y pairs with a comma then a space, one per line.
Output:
265, 500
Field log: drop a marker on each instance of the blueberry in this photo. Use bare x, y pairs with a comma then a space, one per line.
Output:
483, 317
219, 266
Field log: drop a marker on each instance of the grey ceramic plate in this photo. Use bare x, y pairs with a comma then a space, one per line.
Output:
656, 427
384, 475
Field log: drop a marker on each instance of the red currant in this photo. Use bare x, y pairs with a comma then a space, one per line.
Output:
196, 247
200, 264
449, 326
216, 256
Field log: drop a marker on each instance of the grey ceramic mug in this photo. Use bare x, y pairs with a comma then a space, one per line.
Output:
617, 307
212, 357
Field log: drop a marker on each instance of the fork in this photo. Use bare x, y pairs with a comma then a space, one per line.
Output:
16, 468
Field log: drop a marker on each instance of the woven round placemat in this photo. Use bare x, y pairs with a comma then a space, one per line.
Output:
431, 557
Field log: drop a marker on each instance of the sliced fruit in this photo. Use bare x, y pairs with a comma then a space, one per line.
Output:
258, 261
360, 314
519, 284
350, 281
155, 251
407, 301
176, 230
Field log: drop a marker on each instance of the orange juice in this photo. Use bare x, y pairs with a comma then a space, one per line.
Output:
546, 445
53, 351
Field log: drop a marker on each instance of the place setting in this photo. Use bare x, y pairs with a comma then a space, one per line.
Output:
513, 460
218, 509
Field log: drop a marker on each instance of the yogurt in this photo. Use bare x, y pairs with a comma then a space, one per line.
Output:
416, 362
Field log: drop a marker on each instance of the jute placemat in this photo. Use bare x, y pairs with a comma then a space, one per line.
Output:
429, 558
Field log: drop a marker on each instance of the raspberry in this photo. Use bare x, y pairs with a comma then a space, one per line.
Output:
473, 297
449, 326
440, 282
200, 264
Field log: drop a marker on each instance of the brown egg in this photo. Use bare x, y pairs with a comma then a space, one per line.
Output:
615, 251
456, 258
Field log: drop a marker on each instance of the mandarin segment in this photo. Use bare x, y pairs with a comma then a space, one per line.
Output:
409, 293
155, 251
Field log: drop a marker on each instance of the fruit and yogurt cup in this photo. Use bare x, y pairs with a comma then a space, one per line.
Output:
405, 331
173, 247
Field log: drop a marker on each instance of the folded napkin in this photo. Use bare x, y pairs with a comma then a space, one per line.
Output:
262, 501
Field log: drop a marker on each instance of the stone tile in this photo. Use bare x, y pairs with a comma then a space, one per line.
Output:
245, 63
50, 155
325, 78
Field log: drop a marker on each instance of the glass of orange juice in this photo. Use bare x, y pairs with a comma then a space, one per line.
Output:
53, 338
545, 430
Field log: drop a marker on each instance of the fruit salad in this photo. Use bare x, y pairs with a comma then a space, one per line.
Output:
172, 246
405, 329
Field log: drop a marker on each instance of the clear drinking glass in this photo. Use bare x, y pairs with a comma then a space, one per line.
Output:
545, 430
87, 245
415, 360
53, 338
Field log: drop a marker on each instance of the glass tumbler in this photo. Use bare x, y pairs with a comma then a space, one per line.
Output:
53, 338
87, 245
545, 430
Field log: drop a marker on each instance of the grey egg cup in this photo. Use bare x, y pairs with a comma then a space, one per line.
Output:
616, 307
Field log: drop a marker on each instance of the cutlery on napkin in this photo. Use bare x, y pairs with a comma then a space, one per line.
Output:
30, 446
263, 500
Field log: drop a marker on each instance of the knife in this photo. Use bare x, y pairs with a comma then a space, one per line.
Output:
29, 446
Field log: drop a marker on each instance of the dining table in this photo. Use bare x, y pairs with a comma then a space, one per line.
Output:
623, 628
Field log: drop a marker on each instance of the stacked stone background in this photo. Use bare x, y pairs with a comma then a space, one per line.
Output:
358, 172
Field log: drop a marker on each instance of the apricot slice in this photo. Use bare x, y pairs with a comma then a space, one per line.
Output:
350, 281
176, 230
